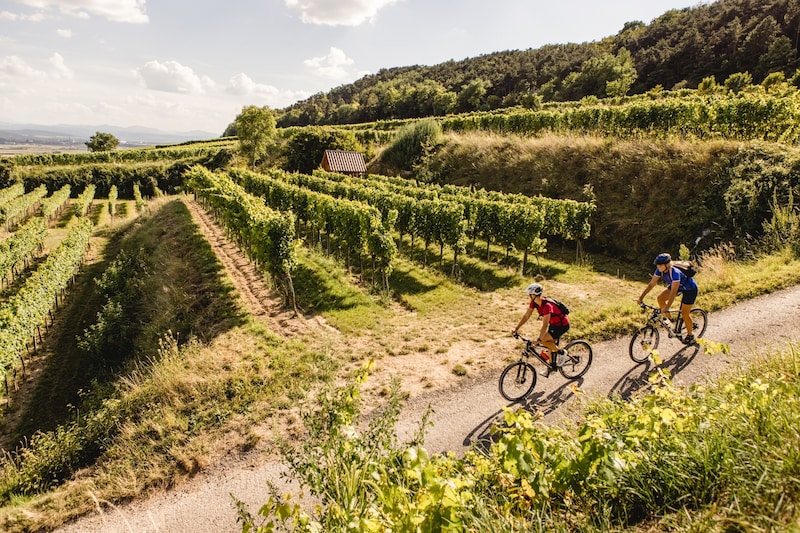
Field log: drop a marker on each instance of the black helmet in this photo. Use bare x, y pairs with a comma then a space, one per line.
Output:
662, 259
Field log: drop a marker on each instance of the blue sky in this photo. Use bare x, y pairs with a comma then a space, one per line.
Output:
181, 65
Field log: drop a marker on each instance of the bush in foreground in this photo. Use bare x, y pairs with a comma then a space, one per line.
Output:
714, 457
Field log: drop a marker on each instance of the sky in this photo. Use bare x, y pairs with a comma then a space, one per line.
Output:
192, 65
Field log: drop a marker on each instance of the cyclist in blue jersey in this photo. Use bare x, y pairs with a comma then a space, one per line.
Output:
677, 283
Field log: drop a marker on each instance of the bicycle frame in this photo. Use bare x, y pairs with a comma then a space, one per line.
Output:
655, 320
535, 349
519, 377
646, 338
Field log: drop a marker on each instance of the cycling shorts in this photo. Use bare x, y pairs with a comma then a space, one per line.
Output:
557, 331
689, 297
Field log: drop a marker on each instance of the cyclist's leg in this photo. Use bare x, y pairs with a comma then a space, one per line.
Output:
687, 301
555, 332
549, 341
662, 301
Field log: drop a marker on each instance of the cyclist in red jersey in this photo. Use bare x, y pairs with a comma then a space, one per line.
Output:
554, 322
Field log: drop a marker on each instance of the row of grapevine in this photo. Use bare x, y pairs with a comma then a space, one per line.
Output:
54, 204
205, 151
359, 227
447, 215
21, 206
267, 235
25, 312
21, 246
11, 192
567, 219
84, 201
425, 217
112, 200
163, 175
746, 117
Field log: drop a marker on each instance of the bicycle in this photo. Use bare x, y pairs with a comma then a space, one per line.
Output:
646, 338
519, 378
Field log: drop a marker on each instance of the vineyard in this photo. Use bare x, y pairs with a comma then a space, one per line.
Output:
366, 219
362, 222
28, 306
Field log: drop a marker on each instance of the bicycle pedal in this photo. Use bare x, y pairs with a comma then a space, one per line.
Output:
545, 372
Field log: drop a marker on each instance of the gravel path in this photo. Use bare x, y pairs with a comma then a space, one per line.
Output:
461, 417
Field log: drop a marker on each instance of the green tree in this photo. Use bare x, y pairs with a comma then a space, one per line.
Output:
779, 54
738, 81
255, 127
758, 42
623, 74
472, 95
708, 85
444, 103
102, 142
602, 75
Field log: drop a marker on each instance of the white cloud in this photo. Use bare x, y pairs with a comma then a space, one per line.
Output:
15, 68
330, 66
75, 109
241, 84
132, 11
7, 15
64, 33
172, 77
337, 12
60, 70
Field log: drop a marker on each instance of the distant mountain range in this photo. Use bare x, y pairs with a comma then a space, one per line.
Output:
73, 135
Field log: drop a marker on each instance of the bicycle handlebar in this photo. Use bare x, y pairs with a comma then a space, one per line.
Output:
647, 306
527, 340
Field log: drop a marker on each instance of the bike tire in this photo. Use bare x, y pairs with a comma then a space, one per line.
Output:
644, 341
577, 359
517, 380
699, 321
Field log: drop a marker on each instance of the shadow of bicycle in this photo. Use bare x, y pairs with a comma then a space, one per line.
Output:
481, 437
638, 377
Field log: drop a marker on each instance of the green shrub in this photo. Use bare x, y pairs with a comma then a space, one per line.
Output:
411, 144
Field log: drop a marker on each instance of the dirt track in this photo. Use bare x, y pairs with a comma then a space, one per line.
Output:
461, 416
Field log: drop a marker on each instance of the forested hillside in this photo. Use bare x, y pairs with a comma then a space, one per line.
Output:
679, 49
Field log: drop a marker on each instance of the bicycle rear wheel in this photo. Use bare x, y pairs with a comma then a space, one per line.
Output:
643, 342
699, 321
577, 359
517, 380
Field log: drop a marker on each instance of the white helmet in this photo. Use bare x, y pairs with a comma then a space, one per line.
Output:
535, 289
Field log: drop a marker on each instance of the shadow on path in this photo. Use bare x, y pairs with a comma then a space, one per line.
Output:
542, 403
637, 378
481, 438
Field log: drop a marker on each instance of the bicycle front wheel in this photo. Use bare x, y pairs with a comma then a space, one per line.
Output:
644, 341
517, 380
577, 359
